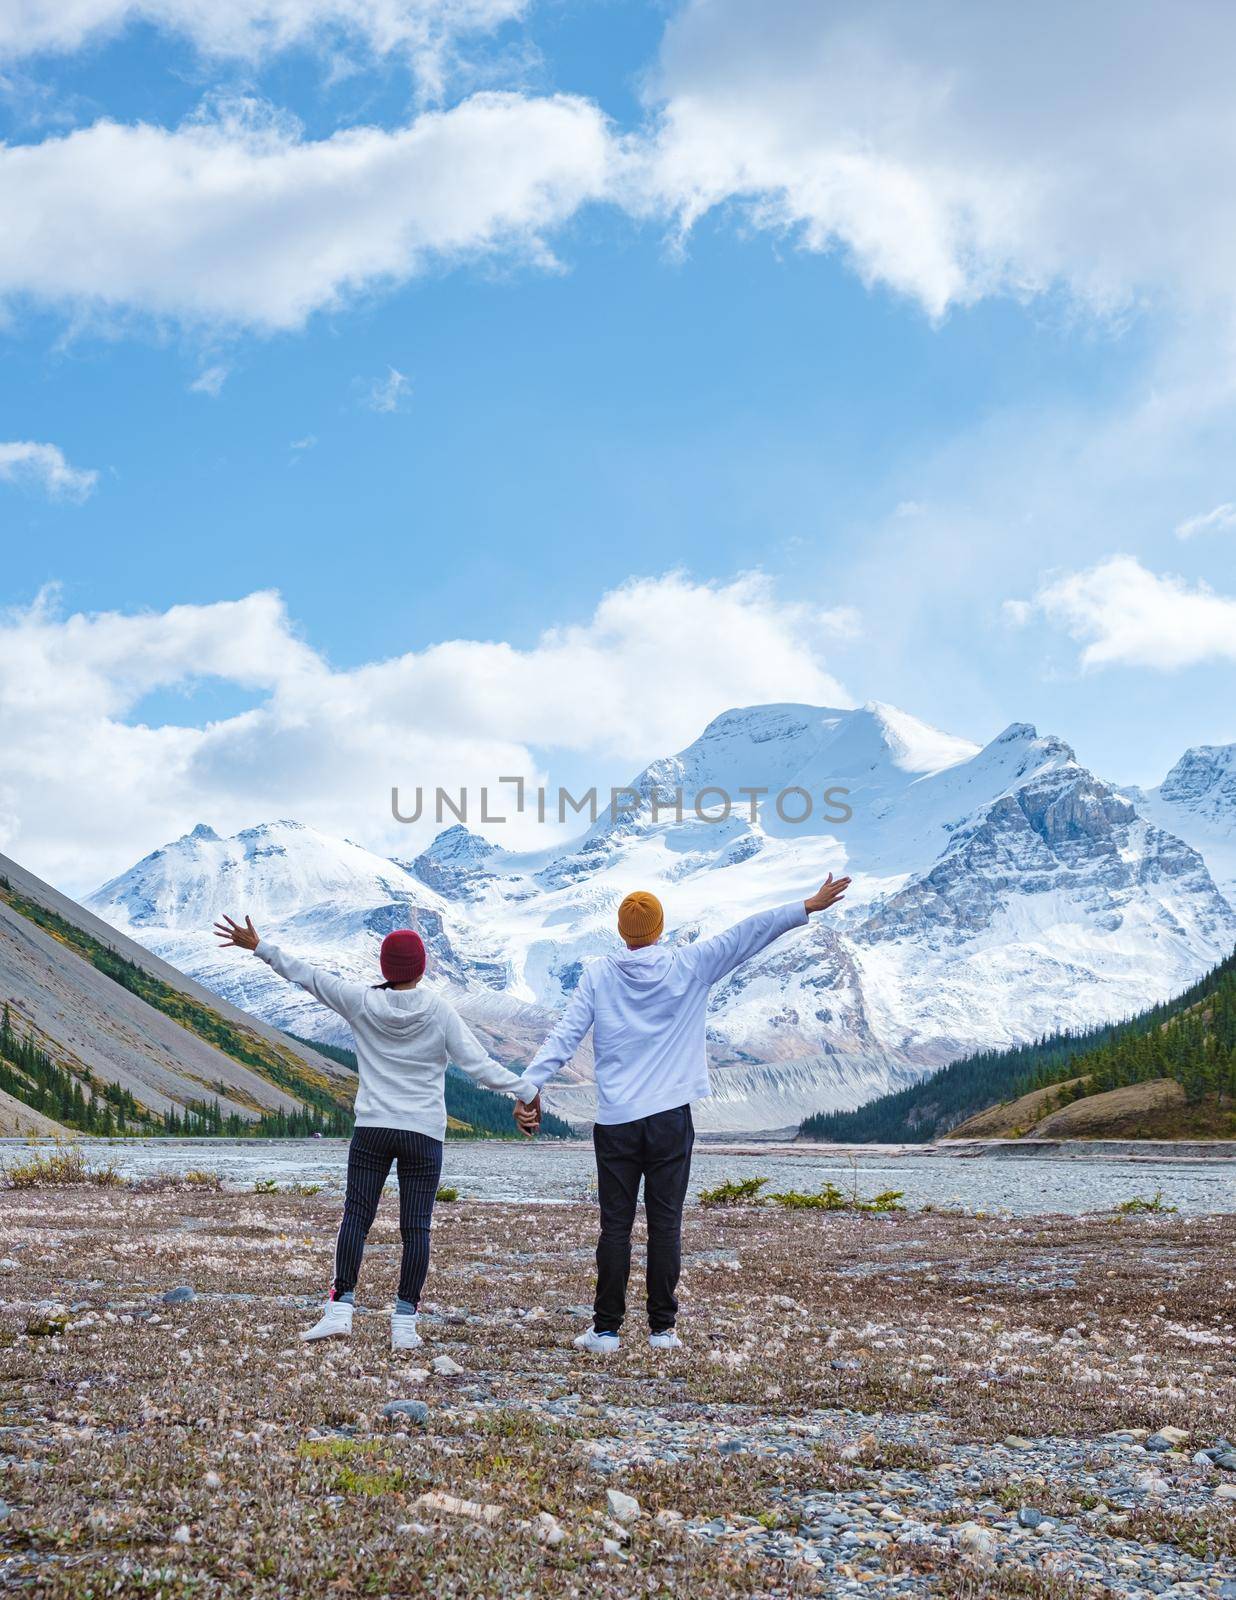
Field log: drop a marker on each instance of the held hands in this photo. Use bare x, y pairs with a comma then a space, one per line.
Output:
829, 892
528, 1117
231, 933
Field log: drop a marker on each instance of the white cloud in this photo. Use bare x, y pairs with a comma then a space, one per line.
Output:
88, 789
43, 467
953, 151
422, 30
1128, 616
1221, 520
842, 622
210, 381
388, 394
236, 218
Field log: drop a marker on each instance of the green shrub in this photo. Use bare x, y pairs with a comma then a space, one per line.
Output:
446, 1194
734, 1192
831, 1198
1138, 1205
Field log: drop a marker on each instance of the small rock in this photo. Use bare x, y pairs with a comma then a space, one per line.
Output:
1173, 1436
407, 1411
180, 1296
547, 1529
212, 1480
182, 1535
445, 1367
1226, 1491
668, 1519
449, 1506
1157, 1442
1227, 1591
1226, 1459
1201, 1459
622, 1507
1014, 1441
611, 1547
7, 1264
730, 1447
579, 1311
976, 1541
1028, 1517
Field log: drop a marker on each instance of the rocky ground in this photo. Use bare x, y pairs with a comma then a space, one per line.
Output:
922, 1404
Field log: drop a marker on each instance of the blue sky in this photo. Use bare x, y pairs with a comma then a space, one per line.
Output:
951, 409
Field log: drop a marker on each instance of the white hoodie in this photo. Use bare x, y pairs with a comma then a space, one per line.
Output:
646, 1009
404, 1040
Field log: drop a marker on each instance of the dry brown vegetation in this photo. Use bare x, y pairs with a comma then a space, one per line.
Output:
199, 1450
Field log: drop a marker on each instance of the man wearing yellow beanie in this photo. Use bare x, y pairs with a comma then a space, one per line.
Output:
641, 920
646, 1006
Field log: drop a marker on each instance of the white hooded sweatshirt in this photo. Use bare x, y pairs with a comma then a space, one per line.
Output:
646, 1009
404, 1040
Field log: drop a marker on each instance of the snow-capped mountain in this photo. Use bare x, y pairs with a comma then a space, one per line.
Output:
1197, 802
999, 892
326, 898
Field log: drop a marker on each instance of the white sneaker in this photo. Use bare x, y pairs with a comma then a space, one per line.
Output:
336, 1322
601, 1344
667, 1339
403, 1331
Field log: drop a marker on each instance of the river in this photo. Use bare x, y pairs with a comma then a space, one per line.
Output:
546, 1172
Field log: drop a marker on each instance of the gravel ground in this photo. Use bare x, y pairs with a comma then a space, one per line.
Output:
921, 1404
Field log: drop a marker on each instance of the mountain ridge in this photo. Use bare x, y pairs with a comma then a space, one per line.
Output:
999, 891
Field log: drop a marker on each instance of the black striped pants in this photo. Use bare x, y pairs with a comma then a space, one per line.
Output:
418, 1161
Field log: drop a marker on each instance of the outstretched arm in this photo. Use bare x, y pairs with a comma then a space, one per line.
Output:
561, 1045
713, 958
467, 1052
337, 993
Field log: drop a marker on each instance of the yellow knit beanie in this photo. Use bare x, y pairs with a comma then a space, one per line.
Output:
640, 918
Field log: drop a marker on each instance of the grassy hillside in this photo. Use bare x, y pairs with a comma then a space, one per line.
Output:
476, 1112
32, 1074
282, 1067
1189, 1041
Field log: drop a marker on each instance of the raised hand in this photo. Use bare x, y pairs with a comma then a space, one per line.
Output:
829, 892
528, 1117
231, 933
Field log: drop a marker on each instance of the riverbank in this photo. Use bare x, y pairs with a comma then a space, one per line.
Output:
911, 1404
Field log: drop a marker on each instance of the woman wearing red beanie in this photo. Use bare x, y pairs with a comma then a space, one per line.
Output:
405, 1036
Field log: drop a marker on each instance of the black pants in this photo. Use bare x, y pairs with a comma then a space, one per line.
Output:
419, 1164
658, 1150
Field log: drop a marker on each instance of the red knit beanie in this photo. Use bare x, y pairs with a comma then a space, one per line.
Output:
403, 956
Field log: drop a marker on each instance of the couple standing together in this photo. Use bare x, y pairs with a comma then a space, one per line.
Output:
646, 1008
